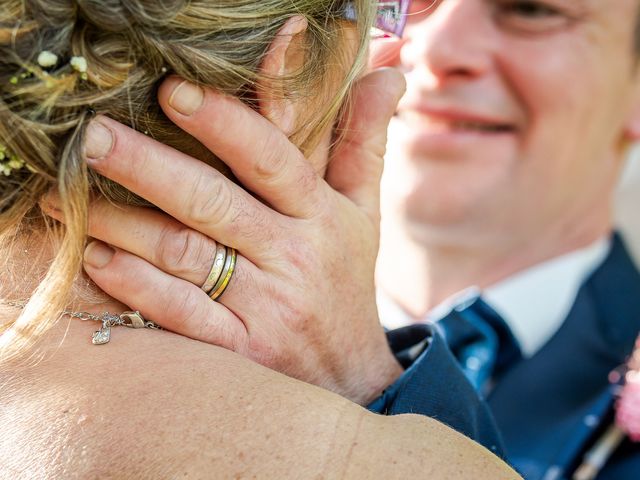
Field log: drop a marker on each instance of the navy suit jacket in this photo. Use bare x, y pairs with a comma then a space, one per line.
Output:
434, 385
552, 407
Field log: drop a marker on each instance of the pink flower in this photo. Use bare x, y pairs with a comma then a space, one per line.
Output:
628, 405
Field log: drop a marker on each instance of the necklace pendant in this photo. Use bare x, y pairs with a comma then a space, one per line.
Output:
102, 336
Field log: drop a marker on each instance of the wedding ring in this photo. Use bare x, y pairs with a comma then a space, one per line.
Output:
225, 276
216, 269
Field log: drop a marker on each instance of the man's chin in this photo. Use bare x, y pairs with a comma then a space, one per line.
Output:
435, 226
449, 219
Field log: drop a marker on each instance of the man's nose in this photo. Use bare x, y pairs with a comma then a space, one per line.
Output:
455, 40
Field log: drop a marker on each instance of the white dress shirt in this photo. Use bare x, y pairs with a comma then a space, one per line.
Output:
534, 302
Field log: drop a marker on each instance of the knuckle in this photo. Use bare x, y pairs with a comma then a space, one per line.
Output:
296, 316
184, 309
276, 166
263, 352
210, 200
307, 179
301, 256
294, 308
272, 163
180, 249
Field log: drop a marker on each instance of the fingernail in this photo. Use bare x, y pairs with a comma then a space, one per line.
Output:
98, 255
98, 142
186, 98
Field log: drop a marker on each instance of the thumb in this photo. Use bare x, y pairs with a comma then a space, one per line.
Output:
356, 164
385, 52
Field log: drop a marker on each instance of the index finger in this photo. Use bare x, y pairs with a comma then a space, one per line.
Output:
259, 154
186, 188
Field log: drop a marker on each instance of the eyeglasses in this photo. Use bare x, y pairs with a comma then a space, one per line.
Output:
391, 17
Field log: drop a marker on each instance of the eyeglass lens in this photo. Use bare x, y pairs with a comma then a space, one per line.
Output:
391, 18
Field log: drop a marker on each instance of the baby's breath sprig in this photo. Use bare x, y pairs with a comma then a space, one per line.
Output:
50, 66
79, 64
47, 59
9, 162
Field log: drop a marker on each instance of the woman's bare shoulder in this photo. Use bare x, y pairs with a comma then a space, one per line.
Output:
168, 403
155, 405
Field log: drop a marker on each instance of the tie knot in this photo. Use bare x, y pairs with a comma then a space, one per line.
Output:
480, 339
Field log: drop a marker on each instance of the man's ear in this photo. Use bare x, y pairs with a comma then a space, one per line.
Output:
284, 57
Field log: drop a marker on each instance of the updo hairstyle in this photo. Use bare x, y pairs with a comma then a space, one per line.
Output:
63, 61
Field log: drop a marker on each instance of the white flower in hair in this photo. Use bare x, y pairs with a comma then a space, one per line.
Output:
79, 64
15, 163
9, 162
47, 59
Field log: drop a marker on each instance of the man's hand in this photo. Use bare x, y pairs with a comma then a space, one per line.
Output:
302, 299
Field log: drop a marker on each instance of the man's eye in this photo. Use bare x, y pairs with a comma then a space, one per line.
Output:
529, 9
530, 16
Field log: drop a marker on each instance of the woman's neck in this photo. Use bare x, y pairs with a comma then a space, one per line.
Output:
27, 261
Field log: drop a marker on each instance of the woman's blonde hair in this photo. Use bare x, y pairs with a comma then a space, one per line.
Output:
108, 57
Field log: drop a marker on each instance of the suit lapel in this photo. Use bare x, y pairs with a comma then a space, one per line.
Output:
550, 406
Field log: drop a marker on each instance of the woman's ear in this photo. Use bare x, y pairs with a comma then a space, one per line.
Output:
285, 56
632, 126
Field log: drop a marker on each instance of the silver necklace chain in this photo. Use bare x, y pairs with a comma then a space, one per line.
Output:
127, 319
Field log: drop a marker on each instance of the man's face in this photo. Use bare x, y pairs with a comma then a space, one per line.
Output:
514, 115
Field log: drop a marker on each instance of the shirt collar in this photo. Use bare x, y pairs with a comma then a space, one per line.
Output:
393, 315
534, 302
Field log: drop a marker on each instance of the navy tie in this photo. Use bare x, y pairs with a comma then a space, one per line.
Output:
480, 340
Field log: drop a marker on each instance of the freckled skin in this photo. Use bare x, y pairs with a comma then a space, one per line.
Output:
179, 408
